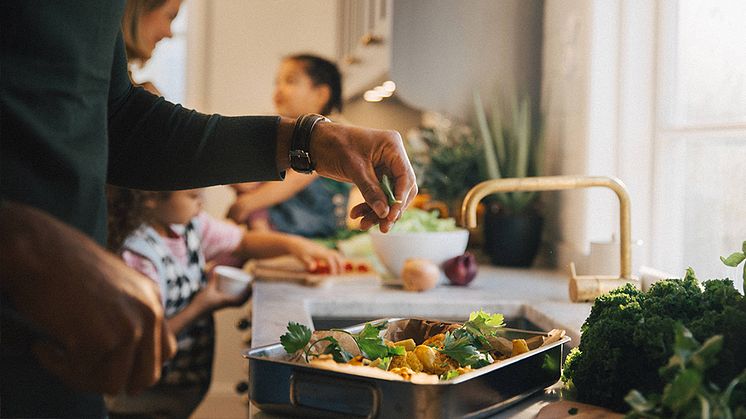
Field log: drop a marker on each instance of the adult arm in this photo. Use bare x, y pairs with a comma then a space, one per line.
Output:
268, 194
105, 319
158, 145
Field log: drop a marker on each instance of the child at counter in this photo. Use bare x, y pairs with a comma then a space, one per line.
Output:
303, 204
167, 237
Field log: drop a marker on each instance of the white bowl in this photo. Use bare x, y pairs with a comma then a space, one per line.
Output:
394, 248
232, 280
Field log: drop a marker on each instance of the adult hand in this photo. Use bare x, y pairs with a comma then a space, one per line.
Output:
106, 318
363, 156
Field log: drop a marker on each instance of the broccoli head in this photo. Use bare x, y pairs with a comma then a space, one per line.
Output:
629, 336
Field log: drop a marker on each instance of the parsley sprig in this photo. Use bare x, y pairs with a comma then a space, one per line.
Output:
369, 341
469, 344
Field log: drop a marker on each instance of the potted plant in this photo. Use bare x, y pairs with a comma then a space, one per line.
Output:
447, 157
512, 147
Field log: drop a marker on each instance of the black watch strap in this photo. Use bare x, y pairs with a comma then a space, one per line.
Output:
300, 142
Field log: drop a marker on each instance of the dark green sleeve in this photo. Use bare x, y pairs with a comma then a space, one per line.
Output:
157, 145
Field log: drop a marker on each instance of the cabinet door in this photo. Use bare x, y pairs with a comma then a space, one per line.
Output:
364, 43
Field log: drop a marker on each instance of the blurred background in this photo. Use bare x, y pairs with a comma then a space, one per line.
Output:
651, 92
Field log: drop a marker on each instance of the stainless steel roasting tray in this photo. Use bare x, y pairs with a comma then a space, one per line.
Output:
290, 388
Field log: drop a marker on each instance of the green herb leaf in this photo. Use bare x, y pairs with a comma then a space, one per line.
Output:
734, 259
638, 402
370, 342
388, 190
451, 374
706, 356
462, 350
482, 323
397, 350
385, 363
684, 387
335, 349
296, 338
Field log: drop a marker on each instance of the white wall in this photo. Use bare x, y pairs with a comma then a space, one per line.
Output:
239, 44
598, 93
443, 50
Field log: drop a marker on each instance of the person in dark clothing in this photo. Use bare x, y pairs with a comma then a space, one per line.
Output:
76, 321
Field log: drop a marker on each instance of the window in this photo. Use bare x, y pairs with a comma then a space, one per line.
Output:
699, 199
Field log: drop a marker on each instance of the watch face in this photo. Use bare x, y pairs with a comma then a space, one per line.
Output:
300, 161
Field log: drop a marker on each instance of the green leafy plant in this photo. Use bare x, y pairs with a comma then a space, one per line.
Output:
446, 156
735, 258
512, 145
688, 392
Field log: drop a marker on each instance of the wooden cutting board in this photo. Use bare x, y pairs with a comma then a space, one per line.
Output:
291, 269
573, 410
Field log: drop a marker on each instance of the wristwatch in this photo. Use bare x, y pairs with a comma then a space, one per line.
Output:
300, 142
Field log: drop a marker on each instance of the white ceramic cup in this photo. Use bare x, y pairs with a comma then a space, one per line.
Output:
232, 280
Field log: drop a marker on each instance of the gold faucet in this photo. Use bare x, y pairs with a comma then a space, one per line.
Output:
582, 288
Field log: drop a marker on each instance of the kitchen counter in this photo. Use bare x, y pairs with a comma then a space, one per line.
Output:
539, 296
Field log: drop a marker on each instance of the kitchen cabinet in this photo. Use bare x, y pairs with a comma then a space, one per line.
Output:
363, 43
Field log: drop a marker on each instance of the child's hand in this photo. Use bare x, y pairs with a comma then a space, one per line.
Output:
314, 255
241, 209
214, 299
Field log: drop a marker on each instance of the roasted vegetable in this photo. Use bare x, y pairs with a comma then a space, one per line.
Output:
629, 335
459, 349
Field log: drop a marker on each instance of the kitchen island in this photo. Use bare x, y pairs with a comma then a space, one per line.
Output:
538, 296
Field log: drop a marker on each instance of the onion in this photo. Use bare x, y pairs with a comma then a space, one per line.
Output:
460, 270
419, 274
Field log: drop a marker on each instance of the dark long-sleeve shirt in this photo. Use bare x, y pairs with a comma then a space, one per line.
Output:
72, 121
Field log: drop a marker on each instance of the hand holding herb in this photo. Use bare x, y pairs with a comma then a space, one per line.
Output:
389, 190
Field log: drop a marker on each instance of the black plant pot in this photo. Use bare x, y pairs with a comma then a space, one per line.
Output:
511, 239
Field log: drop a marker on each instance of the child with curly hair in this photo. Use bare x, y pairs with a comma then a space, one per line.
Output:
167, 237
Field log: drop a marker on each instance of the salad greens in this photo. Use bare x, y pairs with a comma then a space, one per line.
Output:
415, 220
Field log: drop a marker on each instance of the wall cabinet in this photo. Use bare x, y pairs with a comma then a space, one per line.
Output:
363, 43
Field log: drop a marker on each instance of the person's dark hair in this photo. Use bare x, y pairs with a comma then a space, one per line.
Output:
325, 72
126, 209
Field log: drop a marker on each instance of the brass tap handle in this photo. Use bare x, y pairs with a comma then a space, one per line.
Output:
554, 183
